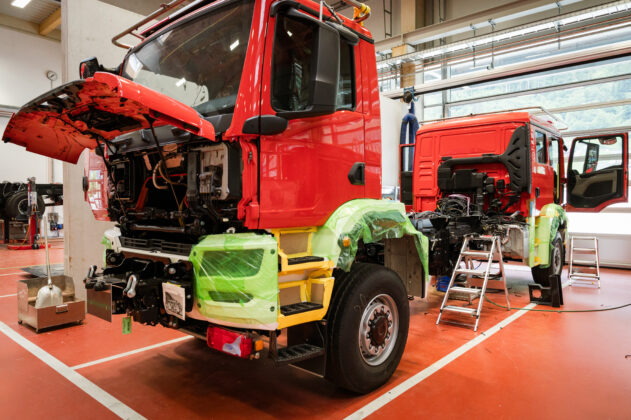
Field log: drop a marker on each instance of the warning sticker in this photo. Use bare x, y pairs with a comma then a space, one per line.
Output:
174, 298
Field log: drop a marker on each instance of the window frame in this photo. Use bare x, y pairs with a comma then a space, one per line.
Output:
545, 147
353, 75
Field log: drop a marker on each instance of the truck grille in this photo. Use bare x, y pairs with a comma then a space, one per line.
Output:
158, 245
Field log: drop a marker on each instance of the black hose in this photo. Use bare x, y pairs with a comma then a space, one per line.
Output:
559, 310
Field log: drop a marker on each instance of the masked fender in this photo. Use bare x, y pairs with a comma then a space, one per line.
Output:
367, 220
551, 218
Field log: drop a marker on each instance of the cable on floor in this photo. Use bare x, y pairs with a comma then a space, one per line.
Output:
558, 310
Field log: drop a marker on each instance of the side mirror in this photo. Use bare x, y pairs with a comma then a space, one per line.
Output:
324, 79
88, 67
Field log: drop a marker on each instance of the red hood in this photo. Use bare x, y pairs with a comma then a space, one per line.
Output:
63, 122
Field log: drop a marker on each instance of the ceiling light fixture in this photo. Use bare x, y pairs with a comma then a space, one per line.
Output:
20, 3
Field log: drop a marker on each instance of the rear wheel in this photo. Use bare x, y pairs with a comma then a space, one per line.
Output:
542, 275
368, 328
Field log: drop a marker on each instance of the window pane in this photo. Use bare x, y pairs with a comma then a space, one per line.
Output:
200, 63
346, 87
595, 154
291, 67
553, 154
540, 140
580, 73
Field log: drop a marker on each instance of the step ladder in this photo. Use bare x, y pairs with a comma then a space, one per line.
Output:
588, 271
468, 256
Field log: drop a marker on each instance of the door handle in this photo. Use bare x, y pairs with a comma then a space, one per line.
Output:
357, 174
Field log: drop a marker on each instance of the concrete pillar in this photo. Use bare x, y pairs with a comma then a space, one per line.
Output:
87, 28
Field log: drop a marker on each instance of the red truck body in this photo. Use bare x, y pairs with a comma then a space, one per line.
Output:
476, 136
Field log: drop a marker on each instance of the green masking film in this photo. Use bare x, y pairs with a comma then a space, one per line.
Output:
236, 278
369, 221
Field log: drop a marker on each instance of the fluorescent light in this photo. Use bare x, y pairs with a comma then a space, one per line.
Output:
20, 3
289, 33
180, 82
234, 45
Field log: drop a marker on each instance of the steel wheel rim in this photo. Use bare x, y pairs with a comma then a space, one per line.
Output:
556, 260
23, 206
378, 329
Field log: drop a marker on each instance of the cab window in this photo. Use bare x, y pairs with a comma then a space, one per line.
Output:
540, 146
292, 65
553, 156
346, 83
553, 153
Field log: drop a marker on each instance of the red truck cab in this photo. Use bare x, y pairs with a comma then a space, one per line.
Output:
537, 165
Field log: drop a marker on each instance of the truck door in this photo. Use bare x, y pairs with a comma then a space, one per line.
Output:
597, 172
317, 163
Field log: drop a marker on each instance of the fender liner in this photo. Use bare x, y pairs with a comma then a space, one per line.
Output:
369, 221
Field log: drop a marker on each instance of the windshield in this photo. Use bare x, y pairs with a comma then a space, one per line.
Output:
198, 63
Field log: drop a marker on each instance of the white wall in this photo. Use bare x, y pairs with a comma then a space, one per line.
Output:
24, 61
87, 28
392, 112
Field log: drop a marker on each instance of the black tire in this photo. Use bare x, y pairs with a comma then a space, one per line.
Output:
17, 206
557, 259
369, 289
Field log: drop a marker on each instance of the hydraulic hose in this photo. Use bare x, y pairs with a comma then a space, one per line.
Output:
559, 310
361, 12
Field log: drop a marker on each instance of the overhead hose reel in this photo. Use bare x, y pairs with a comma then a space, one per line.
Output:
361, 11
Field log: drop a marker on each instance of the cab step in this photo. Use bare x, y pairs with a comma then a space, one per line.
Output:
300, 307
298, 353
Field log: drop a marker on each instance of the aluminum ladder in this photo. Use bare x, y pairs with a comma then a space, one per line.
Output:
576, 274
469, 256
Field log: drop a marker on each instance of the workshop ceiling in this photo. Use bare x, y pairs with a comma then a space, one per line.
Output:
142, 7
36, 11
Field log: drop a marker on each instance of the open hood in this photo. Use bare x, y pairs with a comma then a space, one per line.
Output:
63, 122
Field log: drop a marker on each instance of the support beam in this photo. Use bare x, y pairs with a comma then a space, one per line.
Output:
463, 24
51, 23
588, 55
26, 27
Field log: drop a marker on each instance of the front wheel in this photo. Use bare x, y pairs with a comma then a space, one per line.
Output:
368, 328
542, 275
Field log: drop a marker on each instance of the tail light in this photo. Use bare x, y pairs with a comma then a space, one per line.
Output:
237, 344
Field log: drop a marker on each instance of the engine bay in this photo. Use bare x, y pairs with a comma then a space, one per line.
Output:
176, 192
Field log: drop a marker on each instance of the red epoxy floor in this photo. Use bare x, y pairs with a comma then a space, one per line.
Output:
542, 365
